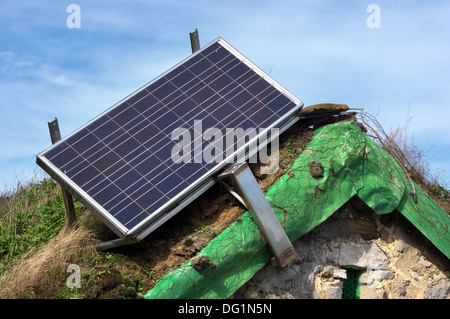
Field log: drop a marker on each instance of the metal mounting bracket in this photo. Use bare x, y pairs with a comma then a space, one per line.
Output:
195, 41
55, 136
114, 243
260, 209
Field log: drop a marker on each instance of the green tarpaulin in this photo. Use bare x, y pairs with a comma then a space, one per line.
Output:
352, 165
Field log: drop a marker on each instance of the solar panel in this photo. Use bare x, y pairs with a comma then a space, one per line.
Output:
120, 164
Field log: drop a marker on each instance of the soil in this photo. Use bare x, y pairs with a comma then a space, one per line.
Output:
316, 169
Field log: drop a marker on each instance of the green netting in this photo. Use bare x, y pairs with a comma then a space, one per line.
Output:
350, 289
352, 165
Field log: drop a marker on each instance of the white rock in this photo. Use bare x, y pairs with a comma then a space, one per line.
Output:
340, 273
333, 290
362, 256
439, 291
373, 278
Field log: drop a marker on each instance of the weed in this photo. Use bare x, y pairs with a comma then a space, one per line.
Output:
287, 143
150, 272
412, 157
99, 273
203, 228
113, 257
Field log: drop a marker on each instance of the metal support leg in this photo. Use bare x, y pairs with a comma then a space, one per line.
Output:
55, 135
263, 214
114, 243
195, 41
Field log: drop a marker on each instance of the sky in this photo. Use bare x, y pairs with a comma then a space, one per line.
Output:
391, 59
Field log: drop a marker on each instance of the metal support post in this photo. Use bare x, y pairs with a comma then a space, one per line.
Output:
55, 135
263, 214
195, 41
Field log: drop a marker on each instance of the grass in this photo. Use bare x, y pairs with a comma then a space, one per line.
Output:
29, 218
35, 244
40, 274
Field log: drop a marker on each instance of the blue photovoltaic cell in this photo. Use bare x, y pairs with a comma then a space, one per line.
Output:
121, 161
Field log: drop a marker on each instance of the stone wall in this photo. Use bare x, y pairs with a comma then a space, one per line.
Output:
393, 258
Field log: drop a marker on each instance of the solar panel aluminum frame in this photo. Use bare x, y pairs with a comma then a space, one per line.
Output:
195, 189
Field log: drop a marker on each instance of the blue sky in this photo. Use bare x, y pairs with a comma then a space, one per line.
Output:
321, 51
